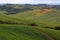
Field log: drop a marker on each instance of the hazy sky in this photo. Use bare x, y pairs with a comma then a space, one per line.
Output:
30, 1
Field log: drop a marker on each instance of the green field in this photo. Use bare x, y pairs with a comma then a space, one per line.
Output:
22, 23
49, 19
53, 33
20, 32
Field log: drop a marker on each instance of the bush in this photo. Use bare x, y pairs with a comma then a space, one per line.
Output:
57, 28
33, 24
46, 27
49, 27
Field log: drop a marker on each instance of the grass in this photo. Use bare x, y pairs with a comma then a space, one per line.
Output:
53, 33
50, 19
19, 32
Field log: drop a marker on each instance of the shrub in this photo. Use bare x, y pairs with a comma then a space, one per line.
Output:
46, 27
51, 28
57, 28
33, 24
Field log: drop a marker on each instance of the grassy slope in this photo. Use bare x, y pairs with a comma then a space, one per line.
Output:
6, 18
53, 33
19, 32
51, 18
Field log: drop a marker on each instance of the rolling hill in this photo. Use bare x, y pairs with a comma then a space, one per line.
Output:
49, 17
20, 32
21, 22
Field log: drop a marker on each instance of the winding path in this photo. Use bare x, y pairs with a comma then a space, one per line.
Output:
46, 34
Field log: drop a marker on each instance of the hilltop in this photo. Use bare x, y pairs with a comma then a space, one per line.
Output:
17, 8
